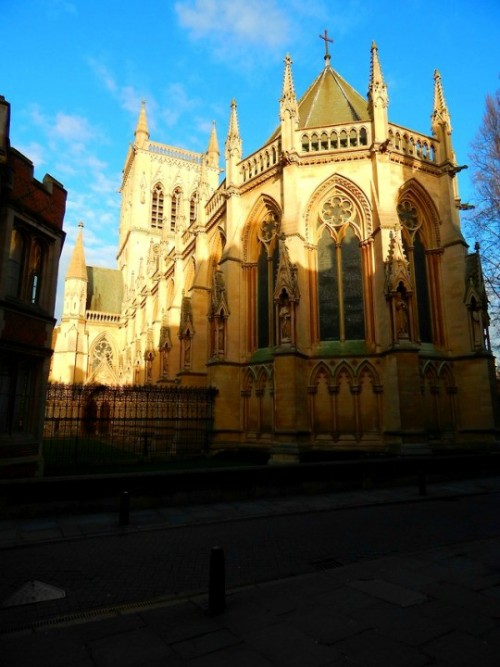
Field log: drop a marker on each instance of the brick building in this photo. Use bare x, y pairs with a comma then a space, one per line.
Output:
31, 239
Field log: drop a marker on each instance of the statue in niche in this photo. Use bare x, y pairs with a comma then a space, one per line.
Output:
401, 308
220, 336
187, 350
284, 317
149, 367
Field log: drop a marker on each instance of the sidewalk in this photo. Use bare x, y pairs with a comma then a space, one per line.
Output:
436, 607
16, 532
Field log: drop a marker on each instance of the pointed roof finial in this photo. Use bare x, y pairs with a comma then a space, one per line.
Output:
288, 87
77, 267
327, 54
377, 88
440, 113
233, 132
376, 76
142, 131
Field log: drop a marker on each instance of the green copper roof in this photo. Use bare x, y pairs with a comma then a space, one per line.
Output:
104, 289
329, 101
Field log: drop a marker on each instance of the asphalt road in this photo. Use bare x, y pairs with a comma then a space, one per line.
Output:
129, 568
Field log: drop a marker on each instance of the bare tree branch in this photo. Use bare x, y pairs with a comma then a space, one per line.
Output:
484, 225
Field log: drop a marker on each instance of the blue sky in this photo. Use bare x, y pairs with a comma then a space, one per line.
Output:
75, 72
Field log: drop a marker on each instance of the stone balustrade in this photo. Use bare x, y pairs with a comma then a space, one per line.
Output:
337, 138
176, 153
96, 316
260, 161
410, 143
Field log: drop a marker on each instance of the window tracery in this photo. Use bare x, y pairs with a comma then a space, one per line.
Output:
103, 352
340, 275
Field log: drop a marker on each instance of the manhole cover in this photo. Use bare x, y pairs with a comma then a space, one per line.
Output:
32, 592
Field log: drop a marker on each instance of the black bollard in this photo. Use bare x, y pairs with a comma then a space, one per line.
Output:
217, 583
124, 509
422, 486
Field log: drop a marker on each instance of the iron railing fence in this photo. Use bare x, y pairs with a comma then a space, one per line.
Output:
89, 425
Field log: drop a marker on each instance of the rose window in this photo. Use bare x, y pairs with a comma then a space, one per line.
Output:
337, 211
408, 216
102, 352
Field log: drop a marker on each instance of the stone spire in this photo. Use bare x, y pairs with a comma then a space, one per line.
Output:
233, 148
378, 99
141, 131
233, 141
289, 109
377, 85
288, 87
440, 114
77, 267
441, 122
213, 148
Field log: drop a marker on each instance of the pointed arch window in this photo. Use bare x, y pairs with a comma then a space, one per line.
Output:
157, 207
175, 208
264, 282
416, 252
340, 274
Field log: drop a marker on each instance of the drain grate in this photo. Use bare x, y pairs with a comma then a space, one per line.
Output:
80, 617
327, 564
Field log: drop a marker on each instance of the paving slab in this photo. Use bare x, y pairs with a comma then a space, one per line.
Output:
285, 645
129, 649
370, 649
385, 590
459, 649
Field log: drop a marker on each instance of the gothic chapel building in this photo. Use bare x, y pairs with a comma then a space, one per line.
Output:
324, 287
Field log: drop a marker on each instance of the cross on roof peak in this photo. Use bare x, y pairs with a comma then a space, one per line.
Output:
326, 40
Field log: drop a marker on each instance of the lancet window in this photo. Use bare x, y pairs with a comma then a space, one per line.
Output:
157, 207
193, 208
340, 275
416, 252
267, 266
175, 208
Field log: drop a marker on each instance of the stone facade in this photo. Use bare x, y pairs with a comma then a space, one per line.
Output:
31, 239
324, 288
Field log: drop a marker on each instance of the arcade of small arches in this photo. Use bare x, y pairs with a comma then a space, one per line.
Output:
345, 401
